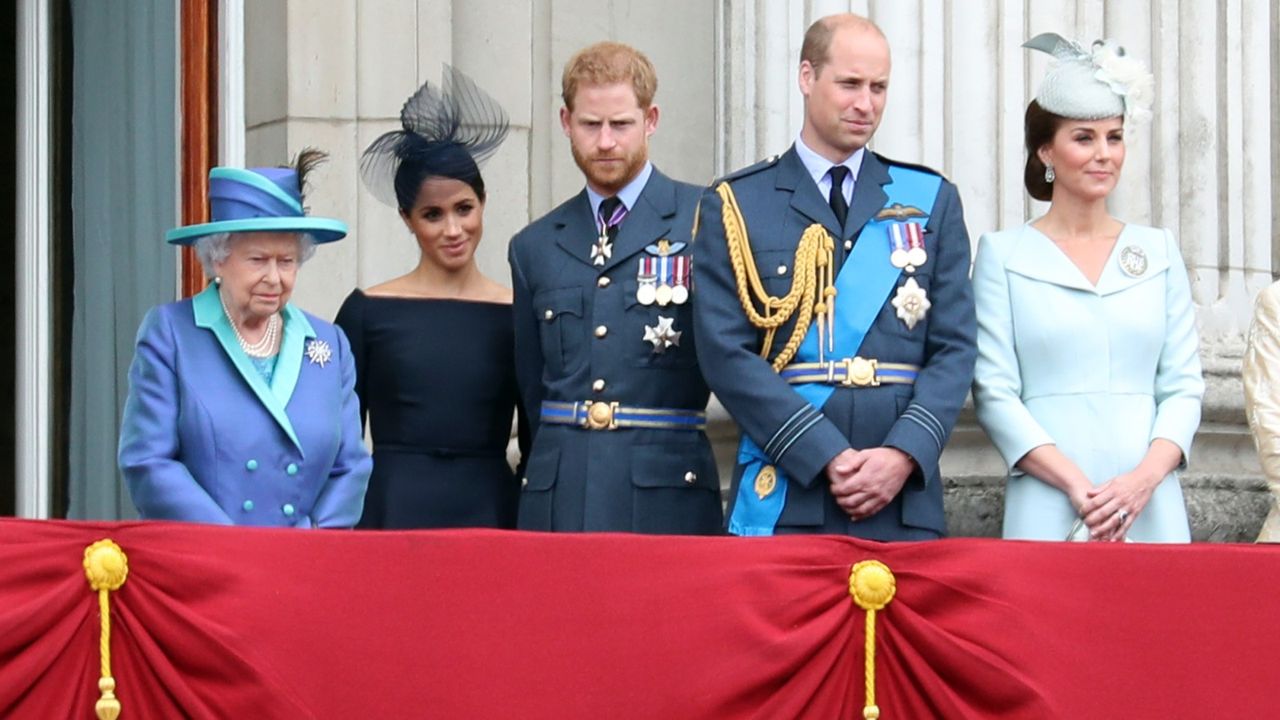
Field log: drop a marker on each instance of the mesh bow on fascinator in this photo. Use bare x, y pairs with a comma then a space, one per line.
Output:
1093, 84
444, 128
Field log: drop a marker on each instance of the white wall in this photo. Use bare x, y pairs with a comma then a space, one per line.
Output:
334, 75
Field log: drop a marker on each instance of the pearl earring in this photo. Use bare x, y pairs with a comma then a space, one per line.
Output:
217, 280
1049, 175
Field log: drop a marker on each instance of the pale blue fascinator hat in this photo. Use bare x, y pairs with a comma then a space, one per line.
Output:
1093, 84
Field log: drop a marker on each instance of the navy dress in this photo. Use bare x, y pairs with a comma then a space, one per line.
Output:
436, 381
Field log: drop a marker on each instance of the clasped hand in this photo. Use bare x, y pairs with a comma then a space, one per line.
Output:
1110, 509
864, 481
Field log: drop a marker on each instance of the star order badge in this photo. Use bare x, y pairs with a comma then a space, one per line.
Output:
912, 303
1133, 261
662, 336
319, 352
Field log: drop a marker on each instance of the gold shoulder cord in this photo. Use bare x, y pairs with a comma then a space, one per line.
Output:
812, 287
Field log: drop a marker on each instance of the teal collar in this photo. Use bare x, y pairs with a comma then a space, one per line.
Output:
297, 330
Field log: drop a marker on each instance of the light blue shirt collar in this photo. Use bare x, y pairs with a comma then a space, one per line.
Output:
628, 194
820, 168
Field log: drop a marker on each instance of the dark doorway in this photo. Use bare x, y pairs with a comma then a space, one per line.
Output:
9, 216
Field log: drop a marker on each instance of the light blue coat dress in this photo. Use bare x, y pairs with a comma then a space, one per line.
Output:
1099, 371
205, 438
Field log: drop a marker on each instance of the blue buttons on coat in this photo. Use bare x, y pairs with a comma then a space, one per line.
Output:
248, 504
292, 469
251, 465
288, 509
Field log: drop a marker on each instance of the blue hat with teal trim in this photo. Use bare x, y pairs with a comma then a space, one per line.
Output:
257, 200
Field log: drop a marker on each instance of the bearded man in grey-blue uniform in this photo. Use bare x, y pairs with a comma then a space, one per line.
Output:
603, 317
835, 316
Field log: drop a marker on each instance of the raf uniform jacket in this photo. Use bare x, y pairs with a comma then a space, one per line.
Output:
580, 337
779, 199
206, 439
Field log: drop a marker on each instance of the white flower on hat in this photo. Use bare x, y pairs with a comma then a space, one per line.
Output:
1126, 77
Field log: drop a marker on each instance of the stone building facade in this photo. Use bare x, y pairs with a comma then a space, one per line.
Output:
334, 74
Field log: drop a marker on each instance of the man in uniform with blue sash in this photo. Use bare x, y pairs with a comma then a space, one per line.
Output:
835, 316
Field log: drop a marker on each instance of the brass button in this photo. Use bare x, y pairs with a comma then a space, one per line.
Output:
601, 331
598, 385
549, 314
691, 477
848, 244
782, 269
602, 281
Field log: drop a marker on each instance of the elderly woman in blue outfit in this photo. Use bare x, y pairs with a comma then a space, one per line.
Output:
241, 407
1088, 375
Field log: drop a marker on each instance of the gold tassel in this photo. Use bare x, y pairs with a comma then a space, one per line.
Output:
106, 566
872, 585
811, 291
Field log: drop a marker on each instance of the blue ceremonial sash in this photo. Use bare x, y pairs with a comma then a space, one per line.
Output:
864, 282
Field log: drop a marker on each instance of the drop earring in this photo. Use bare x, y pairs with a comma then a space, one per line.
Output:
1049, 174
217, 280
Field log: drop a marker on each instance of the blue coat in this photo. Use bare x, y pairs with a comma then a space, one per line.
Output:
779, 200
637, 480
205, 439
1100, 371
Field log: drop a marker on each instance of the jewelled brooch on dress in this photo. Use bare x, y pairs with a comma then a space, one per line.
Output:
319, 352
1133, 261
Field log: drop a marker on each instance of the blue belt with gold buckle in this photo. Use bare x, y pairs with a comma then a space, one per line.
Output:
600, 415
851, 372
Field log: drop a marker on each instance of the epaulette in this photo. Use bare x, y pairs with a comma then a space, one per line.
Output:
749, 170
913, 166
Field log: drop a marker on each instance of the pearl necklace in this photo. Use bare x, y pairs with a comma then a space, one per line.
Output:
265, 347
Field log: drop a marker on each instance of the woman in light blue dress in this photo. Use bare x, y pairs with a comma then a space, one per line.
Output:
1088, 374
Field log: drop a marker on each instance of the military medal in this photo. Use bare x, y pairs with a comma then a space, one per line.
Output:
602, 250
663, 294
766, 481
1133, 261
916, 256
680, 286
647, 281
663, 335
912, 303
898, 245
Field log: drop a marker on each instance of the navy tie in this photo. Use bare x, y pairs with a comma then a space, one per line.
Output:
838, 204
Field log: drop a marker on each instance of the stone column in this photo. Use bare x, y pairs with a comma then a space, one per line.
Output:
960, 84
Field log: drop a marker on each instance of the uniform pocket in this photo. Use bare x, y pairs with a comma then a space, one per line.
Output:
537, 496
675, 489
561, 329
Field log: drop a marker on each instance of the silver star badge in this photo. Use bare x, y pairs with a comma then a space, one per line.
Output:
601, 251
912, 303
663, 336
319, 352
